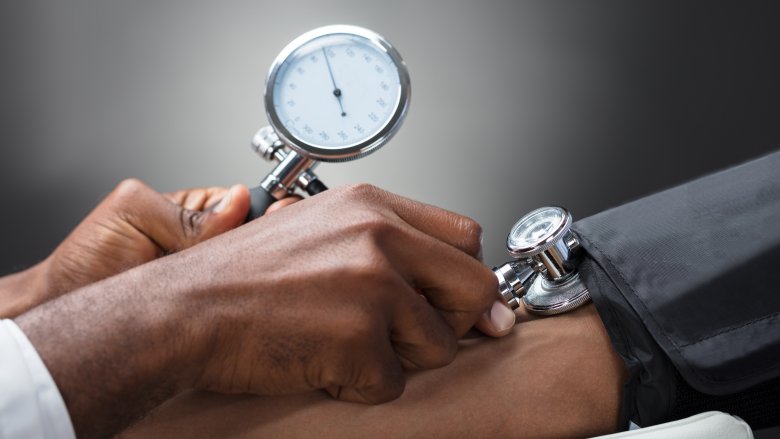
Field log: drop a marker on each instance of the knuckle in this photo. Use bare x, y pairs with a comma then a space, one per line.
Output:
372, 228
392, 389
377, 226
357, 328
373, 272
383, 381
447, 349
363, 331
470, 227
441, 346
128, 189
483, 288
472, 235
436, 356
362, 191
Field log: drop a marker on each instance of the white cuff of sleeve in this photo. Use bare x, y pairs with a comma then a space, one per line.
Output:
30, 403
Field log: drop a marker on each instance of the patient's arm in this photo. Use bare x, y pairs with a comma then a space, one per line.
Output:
552, 377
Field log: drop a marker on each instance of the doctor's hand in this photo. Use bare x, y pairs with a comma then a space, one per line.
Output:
341, 292
132, 226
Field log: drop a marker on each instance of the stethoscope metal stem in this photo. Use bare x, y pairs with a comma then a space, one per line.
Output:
555, 260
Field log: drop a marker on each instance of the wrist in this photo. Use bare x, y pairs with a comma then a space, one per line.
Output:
114, 348
156, 316
180, 340
192, 316
24, 290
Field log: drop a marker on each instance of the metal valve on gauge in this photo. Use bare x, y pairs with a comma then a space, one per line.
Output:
334, 94
292, 171
543, 275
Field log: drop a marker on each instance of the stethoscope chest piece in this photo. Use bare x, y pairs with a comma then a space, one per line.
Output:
550, 298
544, 274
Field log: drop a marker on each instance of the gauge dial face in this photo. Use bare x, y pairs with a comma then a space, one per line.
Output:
537, 229
337, 94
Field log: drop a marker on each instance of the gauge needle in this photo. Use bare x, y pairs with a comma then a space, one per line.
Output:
336, 89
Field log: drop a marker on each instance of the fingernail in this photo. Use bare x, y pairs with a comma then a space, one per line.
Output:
224, 202
501, 317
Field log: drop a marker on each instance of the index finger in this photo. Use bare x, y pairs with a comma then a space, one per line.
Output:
455, 284
459, 231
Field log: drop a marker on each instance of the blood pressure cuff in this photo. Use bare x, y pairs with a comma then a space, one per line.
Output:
687, 282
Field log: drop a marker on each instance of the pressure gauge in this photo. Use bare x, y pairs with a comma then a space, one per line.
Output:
334, 94
541, 242
337, 93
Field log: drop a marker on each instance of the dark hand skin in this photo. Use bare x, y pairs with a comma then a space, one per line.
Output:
132, 226
554, 377
342, 292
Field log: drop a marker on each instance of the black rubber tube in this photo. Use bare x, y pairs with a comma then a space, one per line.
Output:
315, 187
260, 201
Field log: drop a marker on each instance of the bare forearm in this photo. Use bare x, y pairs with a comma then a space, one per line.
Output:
111, 348
553, 377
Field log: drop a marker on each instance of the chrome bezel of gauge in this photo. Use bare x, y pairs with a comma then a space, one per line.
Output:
550, 240
352, 151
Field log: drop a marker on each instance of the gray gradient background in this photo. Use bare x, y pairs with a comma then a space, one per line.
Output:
585, 104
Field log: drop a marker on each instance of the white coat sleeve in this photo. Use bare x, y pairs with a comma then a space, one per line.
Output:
30, 403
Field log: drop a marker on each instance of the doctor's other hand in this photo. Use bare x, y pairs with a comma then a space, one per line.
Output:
133, 225
341, 292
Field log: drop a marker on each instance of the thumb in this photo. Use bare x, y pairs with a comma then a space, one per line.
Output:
170, 226
498, 321
229, 213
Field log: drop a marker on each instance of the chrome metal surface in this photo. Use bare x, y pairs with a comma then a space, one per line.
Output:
556, 259
267, 144
282, 180
274, 187
513, 279
296, 158
572, 242
543, 243
541, 236
547, 297
537, 231
306, 177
